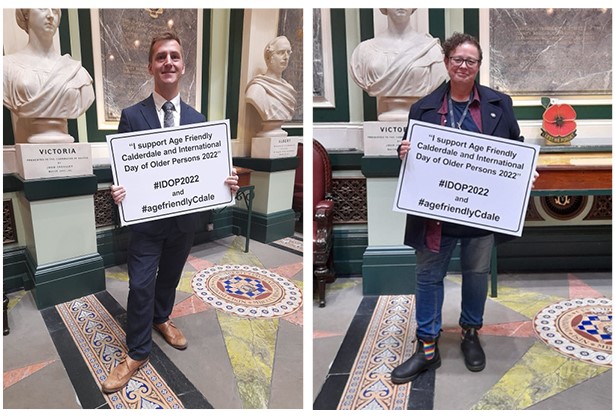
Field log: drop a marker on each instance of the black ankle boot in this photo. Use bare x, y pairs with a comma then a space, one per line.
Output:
473, 353
415, 365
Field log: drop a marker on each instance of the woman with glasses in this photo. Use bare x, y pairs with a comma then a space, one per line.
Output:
464, 104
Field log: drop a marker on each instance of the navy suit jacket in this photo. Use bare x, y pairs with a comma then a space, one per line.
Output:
498, 120
143, 116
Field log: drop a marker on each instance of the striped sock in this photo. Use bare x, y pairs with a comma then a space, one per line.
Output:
429, 347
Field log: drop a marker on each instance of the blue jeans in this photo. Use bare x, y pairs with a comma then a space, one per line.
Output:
430, 271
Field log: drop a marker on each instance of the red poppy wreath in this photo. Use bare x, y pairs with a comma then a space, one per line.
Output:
558, 122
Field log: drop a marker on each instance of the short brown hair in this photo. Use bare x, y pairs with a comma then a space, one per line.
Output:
165, 36
456, 40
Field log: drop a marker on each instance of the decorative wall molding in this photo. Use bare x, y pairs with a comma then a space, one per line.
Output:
105, 211
9, 229
350, 198
602, 208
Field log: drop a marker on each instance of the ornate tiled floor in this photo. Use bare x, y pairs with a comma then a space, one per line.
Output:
56, 358
547, 338
235, 361
292, 244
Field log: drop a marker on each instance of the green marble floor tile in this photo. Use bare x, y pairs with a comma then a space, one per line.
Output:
250, 344
541, 373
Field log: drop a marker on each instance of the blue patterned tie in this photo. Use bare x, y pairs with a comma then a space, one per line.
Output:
168, 114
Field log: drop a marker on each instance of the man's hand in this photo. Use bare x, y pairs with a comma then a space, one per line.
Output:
404, 149
233, 182
118, 193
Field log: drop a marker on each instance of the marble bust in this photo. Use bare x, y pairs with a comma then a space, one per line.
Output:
41, 87
400, 62
273, 97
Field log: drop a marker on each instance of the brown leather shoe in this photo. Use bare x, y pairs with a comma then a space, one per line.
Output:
172, 335
121, 374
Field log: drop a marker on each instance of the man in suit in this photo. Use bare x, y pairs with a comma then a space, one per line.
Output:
158, 249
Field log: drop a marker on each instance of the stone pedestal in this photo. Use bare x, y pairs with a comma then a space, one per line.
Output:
272, 204
56, 207
387, 263
61, 249
273, 217
40, 130
394, 108
273, 180
271, 129
274, 147
49, 130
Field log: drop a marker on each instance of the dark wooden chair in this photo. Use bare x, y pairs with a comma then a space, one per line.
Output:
298, 191
322, 227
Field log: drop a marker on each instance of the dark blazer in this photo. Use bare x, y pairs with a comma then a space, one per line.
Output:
498, 120
143, 116
496, 110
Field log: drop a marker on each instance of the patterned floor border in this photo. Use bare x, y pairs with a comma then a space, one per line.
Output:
293, 244
387, 342
101, 343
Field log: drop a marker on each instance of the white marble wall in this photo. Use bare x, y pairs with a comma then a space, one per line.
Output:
550, 52
121, 45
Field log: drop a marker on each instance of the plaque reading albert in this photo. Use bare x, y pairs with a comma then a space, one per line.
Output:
572, 46
121, 58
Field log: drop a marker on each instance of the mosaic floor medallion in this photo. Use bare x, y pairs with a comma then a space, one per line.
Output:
580, 328
247, 291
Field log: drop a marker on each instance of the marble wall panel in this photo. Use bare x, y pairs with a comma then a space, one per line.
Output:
290, 24
550, 52
318, 66
125, 37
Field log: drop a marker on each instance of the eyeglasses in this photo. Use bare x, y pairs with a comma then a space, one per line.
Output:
470, 62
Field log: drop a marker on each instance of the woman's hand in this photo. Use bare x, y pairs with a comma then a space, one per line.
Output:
535, 176
233, 182
118, 193
404, 148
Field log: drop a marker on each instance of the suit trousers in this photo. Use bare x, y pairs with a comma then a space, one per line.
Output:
155, 265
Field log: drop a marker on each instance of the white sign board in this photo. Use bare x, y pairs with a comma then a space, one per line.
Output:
466, 178
172, 171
